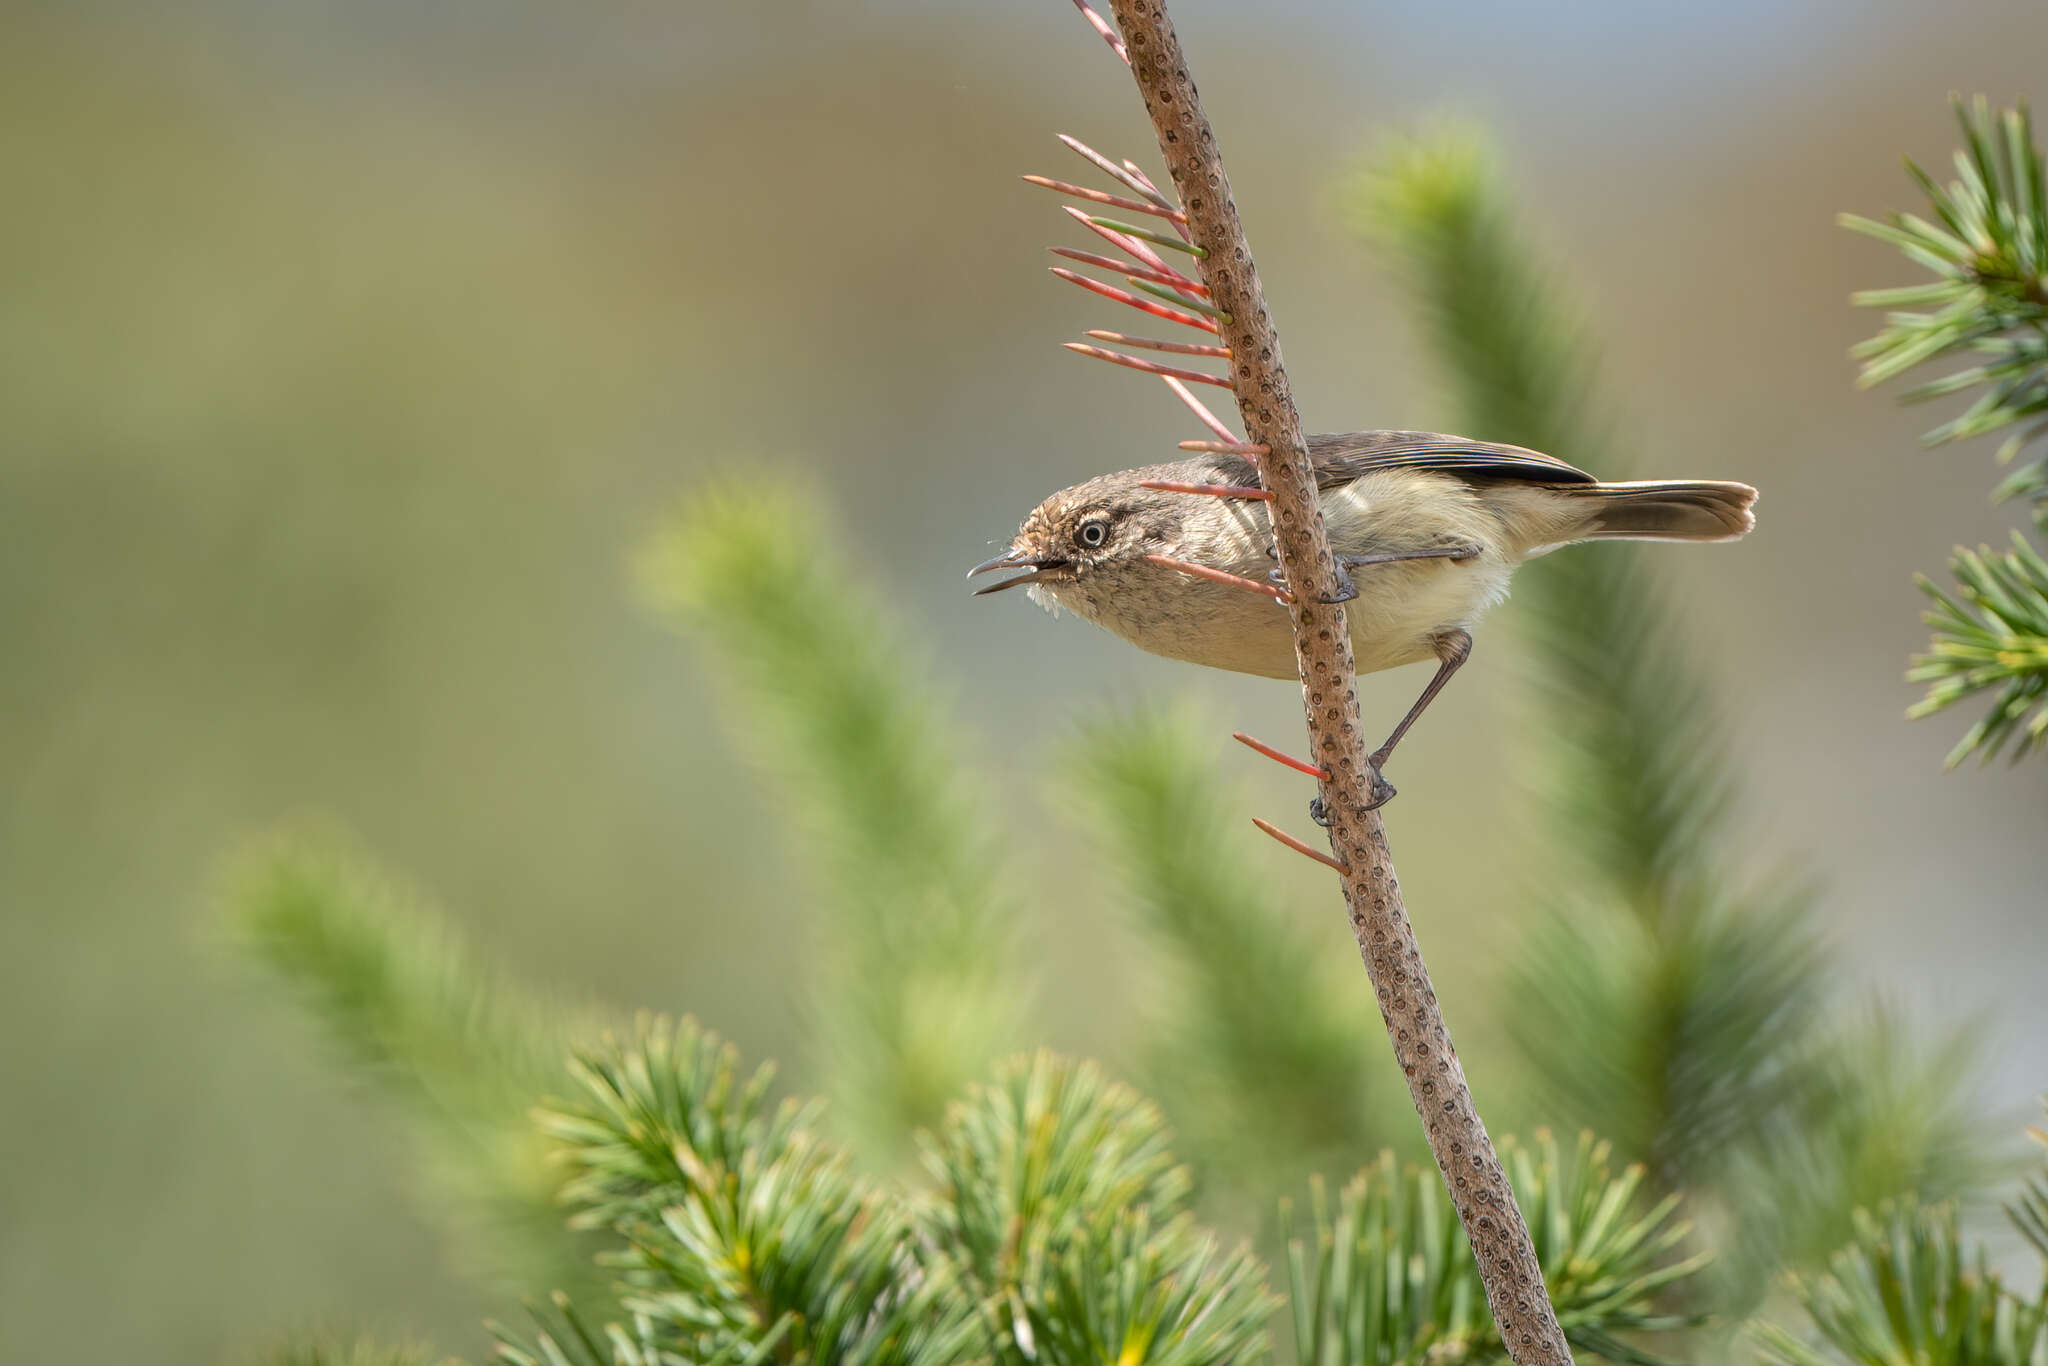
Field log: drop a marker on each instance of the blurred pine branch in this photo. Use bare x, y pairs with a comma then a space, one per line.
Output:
1638, 773
405, 1001
1266, 1064
920, 991
1987, 304
1877, 1117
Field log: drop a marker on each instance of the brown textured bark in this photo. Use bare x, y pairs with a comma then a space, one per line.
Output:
1322, 646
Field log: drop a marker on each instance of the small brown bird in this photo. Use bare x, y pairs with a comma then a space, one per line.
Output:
1429, 528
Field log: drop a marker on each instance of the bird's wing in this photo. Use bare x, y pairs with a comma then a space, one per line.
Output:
1340, 457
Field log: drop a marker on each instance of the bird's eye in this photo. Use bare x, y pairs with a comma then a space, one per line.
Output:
1092, 533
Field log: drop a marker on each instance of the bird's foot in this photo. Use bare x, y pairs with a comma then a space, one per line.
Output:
1379, 793
1382, 790
1346, 589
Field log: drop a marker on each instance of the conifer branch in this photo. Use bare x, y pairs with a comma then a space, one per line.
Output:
462, 1049
920, 992
1060, 1209
1907, 1290
1987, 305
1473, 1172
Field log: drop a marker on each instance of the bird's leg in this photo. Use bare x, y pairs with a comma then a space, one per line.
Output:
1453, 648
1443, 552
1347, 590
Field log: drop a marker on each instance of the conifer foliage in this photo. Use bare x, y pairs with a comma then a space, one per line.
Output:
1987, 305
666, 1206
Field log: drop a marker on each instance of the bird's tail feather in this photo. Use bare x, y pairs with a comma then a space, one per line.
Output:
1667, 510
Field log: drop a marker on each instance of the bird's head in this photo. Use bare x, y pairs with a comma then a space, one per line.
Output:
1088, 538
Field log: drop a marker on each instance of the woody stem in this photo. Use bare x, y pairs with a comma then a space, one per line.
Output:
1473, 1173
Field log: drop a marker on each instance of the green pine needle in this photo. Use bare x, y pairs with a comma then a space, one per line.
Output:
1991, 635
919, 998
1055, 1228
1384, 1276
1989, 257
746, 1236
1061, 1206
1989, 302
1905, 1293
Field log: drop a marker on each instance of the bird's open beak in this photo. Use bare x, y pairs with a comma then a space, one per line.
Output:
1041, 566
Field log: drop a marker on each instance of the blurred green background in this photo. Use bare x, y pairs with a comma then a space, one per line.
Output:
349, 350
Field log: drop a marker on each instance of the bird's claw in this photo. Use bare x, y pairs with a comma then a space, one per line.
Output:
1346, 589
1379, 793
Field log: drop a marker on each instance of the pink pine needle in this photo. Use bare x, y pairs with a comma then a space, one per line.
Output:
1140, 234
1124, 296
1122, 268
1222, 576
1103, 197
1151, 192
1139, 252
1101, 26
1136, 183
1243, 448
1298, 847
1208, 419
1149, 367
1138, 173
1157, 344
1278, 757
